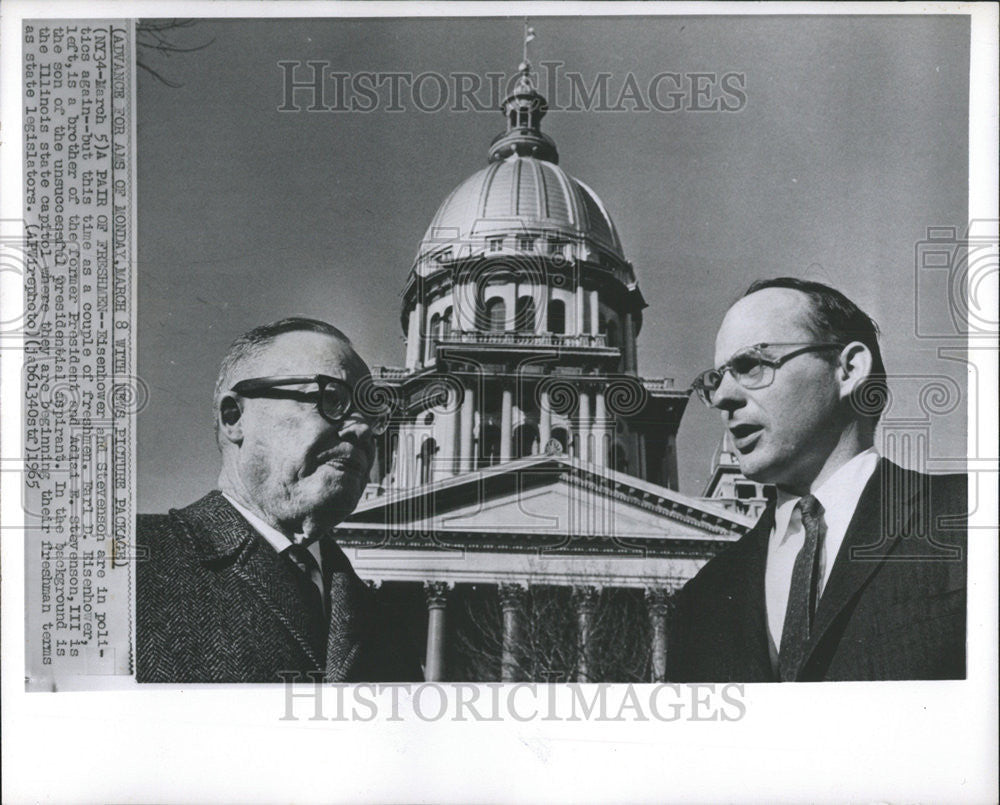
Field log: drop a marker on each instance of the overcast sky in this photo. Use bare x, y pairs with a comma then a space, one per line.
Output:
852, 142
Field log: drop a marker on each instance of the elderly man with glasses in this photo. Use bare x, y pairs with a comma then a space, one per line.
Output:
248, 584
858, 570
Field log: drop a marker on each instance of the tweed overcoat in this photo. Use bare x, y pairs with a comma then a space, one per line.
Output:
216, 603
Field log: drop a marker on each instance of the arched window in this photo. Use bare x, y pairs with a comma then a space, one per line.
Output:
561, 436
446, 322
612, 333
557, 316
525, 440
435, 333
426, 459
496, 315
524, 320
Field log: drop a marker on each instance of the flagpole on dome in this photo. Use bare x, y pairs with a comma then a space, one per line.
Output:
529, 35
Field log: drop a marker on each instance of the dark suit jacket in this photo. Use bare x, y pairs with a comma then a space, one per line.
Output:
216, 603
893, 607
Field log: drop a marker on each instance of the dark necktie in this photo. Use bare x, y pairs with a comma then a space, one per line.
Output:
308, 571
802, 593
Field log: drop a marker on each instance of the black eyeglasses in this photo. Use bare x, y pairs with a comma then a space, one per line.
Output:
752, 368
334, 399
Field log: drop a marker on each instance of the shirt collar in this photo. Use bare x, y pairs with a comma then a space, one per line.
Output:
276, 539
838, 494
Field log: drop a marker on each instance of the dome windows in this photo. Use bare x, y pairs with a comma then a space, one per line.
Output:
496, 315
557, 317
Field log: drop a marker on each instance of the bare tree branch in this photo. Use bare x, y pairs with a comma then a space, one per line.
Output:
152, 38
548, 646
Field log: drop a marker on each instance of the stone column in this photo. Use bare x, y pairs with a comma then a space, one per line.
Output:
437, 601
414, 337
542, 309
375, 473
544, 419
658, 604
465, 462
629, 338
578, 324
585, 601
411, 339
402, 464
600, 429
410, 454
670, 474
594, 313
506, 417
444, 462
583, 428
511, 603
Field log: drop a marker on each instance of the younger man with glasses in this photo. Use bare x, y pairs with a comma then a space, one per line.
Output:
858, 571
248, 582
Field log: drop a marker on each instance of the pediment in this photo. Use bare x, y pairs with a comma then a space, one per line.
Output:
550, 497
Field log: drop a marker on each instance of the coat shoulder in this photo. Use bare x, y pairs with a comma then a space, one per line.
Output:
723, 569
165, 540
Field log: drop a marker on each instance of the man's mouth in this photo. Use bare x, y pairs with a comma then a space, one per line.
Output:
745, 436
345, 462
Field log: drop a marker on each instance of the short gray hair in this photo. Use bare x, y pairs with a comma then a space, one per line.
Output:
253, 343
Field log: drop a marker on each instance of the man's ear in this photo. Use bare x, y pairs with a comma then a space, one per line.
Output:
855, 366
230, 419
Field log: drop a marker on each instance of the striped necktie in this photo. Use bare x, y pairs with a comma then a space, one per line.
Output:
802, 592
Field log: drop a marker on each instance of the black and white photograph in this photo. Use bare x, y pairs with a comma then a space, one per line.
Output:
583, 374
519, 256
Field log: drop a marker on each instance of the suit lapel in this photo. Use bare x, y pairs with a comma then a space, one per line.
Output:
881, 517
227, 544
754, 650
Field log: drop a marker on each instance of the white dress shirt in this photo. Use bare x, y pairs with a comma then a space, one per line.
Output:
839, 496
280, 542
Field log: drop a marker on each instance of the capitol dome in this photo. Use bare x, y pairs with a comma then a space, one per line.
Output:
523, 194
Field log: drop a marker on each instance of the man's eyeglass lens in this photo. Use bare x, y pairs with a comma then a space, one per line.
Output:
337, 403
334, 399
751, 368
748, 369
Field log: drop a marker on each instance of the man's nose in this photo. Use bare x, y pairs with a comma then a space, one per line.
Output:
730, 395
357, 429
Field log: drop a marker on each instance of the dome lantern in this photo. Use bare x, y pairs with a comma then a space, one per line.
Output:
524, 109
